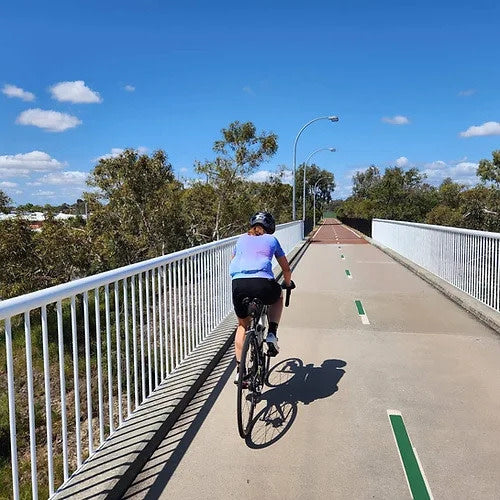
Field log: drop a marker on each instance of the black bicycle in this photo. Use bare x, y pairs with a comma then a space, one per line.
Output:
254, 364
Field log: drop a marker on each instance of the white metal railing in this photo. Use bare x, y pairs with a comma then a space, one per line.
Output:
469, 260
82, 356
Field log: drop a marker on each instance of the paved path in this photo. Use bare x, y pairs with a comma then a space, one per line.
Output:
327, 432
333, 231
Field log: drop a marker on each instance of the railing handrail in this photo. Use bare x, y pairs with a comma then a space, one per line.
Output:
29, 301
474, 232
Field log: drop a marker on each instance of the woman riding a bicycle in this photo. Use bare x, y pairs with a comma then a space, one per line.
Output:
252, 277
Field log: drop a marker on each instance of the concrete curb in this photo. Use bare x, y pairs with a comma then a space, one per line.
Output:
109, 473
483, 313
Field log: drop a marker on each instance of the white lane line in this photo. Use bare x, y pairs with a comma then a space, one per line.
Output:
317, 232
349, 229
362, 312
405, 446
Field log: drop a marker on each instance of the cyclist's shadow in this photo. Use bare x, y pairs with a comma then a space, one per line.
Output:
290, 383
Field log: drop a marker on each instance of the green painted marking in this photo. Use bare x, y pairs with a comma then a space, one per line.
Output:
359, 306
413, 473
348, 272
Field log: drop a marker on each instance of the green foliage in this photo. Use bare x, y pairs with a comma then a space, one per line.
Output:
363, 182
221, 204
480, 206
33, 260
5, 201
246, 150
442, 215
77, 208
403, 195
396, 195
489, 171
136, 210
18, 259
218, 207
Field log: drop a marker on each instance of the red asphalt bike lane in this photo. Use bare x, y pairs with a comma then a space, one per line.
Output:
332, 231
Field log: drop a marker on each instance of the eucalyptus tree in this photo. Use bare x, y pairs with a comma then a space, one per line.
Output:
135, 208
221, 201
5, 202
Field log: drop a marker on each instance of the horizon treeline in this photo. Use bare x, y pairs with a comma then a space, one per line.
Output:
138, 209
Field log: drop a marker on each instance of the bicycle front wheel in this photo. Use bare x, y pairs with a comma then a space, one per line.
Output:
247, 397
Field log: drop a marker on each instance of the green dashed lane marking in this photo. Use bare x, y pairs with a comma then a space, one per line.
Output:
362, 313
415, 477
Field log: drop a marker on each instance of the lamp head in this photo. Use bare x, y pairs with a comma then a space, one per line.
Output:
333, 118
332, 150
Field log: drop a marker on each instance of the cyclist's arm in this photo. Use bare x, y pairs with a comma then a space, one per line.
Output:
285, 267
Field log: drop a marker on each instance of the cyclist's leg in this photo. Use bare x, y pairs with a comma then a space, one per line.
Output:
275, 310
275, 301
243, 324
241, 309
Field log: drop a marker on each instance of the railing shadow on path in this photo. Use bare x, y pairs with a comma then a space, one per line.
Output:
157, 473
291, 382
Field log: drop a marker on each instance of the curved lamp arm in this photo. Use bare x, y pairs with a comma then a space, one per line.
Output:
332, 119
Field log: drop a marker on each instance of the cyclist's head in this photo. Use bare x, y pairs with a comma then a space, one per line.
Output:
264, 220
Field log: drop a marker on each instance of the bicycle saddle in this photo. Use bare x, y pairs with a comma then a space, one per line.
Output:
254, 305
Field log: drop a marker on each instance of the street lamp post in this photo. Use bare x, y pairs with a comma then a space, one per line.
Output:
332, 119
314, 202
304, 182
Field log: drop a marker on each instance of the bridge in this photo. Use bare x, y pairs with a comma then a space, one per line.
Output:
386, 385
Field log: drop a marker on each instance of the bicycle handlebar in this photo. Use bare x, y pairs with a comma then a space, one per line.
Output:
288, 291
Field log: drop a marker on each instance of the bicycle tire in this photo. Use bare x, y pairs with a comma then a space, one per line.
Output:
246, 399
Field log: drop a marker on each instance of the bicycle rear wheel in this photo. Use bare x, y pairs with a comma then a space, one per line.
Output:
247, 397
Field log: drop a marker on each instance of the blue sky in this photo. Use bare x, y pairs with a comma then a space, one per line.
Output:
408, 81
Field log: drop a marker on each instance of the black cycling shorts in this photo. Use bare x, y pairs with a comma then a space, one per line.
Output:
267, 290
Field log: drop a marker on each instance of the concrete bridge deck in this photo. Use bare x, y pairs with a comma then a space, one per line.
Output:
325, 430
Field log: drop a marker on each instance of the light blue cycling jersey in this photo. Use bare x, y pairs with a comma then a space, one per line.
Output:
253, 256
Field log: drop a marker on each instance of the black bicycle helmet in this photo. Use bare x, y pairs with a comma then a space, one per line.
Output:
265, 219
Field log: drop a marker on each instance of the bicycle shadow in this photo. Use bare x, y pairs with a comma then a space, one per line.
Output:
291, 382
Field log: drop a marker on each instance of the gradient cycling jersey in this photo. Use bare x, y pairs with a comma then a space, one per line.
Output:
253, 256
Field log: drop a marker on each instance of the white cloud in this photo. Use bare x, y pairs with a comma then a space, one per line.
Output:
436, 165
118, 151
248, 90
467, 93
396, 120
76, 92
488, 128
260, 176
114, 153
53, 121
402, 162
286, 176
463, 172
67, 178
342, 191
13, 91
48, 194
24, 164
8, 185
129, 88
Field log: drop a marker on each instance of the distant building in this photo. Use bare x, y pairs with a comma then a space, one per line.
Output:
36, 219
